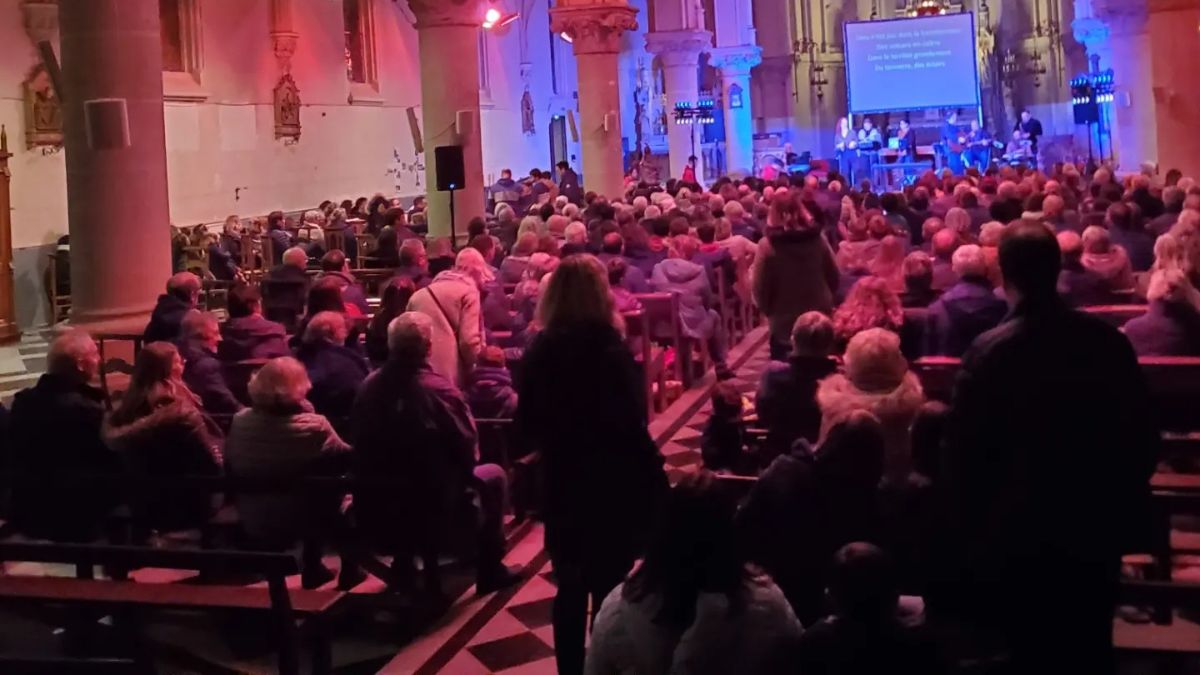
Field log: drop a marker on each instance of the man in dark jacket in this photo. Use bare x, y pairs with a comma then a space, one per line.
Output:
335, 265
412, 424
285, 288
787, 396
414, 263
965, 311
183, 291
795, 272
1033, 547
202, 372
1078, 285
506, 190
568, 184
1125, 231
225, 254
334, 369
281, 239
55, 435
247, 335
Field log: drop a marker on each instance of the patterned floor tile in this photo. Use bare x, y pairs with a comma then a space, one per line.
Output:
542, 667
501, 626
534, 614
511, 651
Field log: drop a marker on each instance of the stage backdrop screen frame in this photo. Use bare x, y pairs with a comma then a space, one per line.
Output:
904, 43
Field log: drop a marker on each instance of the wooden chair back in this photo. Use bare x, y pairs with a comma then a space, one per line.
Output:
335, 240
237, 376
283, 301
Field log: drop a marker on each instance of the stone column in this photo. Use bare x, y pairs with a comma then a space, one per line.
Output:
1133, 107
117, 203
735, 64
680, 52
448, 42
1176, 99
595, 28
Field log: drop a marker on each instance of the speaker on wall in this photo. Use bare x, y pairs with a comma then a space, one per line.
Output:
414, 127
463, 122
451, 174
107, 123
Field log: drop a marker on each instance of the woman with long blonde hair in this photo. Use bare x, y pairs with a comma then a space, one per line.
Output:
583, 407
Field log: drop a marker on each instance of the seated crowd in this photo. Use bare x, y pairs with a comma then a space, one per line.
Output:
866, 491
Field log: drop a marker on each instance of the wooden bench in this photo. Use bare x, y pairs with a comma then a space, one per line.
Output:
1116, 315
650, 357
291, 612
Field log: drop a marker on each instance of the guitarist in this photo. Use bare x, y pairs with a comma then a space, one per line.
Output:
952, 143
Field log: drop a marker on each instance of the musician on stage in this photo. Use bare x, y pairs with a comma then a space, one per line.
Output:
1031, 130
978, 147
1018, 149
845, 144
870, 140
952, 143
906, 140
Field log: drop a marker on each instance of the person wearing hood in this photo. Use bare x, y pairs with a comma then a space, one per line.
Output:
452, 301
183, 291
700, 321
1106, 259
876, 380
966, 310
159, 430
1171, 325
247, 335
506, 190
795, 271
490, 391
335, 265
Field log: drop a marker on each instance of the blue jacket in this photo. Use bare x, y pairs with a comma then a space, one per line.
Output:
963, 313
635, 278
202, 374
336, 371
490, 393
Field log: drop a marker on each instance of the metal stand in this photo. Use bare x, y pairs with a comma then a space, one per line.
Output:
453, 235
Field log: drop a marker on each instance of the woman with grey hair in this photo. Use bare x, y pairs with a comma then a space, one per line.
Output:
281, 437
1171, 324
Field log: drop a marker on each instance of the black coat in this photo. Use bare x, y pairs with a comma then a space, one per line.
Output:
582, 405
1049, 450
787, 401
166, 318
56, 434
336, 371
202, 373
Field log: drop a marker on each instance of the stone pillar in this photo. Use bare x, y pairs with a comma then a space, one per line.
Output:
117, 203
735, 64
1173, 41
680, 54
448, 43
1133, 107
595, 28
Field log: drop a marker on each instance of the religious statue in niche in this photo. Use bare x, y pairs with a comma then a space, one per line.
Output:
287, 108
43, 112
528, 126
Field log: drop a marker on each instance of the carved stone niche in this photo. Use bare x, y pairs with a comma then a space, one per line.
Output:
40, 19
43, 112
287, 108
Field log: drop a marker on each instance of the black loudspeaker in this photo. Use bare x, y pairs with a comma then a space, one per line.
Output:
451, 174
1086, 113
107, 123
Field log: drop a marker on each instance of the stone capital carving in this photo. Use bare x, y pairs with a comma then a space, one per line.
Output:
40, 19
1090, 32
735, 61
1122, 17
285, 48
679, 47
435, 13
594, 28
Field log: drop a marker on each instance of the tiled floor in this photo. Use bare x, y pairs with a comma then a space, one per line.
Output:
21, 364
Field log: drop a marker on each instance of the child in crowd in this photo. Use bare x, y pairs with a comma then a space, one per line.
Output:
722, 445
490, 391
623, 299
868, 632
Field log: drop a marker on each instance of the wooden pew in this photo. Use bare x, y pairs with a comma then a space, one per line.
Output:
662, 312
290, 612
650, 357
1116, 315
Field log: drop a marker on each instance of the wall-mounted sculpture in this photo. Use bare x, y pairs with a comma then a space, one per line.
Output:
43, 111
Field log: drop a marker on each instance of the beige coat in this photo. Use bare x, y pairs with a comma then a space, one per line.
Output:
457, 324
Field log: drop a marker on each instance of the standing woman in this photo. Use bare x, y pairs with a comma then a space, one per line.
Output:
795, 272
603, 473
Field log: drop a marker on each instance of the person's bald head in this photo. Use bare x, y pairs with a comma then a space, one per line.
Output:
295, 257
185, 286
74, 355
945, 241
1053, 207
613, 244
